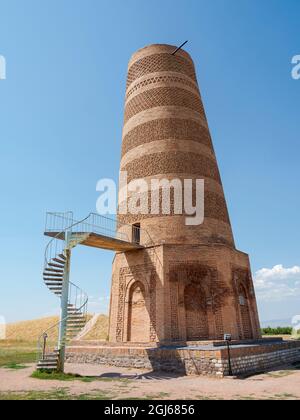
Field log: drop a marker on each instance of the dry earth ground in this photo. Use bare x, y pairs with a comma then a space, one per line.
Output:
115, 383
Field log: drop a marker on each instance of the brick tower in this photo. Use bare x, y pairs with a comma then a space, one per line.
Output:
187, 283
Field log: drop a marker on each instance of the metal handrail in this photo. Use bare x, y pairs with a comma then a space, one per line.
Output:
93, 227
63, 231
60, 248
81, 310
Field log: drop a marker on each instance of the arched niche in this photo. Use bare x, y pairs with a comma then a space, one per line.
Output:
195, 313
138, 314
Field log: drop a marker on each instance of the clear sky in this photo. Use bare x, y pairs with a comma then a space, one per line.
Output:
61, 111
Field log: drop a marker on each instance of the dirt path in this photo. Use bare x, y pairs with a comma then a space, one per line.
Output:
120, 383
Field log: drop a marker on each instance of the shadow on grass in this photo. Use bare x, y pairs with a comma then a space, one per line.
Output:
157, 375
68, 377
106, 377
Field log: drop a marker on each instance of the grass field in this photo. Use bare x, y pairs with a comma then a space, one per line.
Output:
21, 344
14, 354
54, 395
30, 331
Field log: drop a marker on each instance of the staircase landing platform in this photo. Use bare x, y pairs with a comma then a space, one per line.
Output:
96, 240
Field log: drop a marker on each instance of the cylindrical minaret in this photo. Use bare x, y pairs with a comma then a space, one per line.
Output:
187, 282
166, 137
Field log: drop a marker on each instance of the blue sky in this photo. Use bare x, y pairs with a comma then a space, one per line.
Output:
61, 111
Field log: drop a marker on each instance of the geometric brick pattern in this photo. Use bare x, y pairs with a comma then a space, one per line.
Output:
160, 79
163, 96
160, 62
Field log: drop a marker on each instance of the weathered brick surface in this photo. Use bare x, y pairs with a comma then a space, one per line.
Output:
173, 162
164, 129
215, 208
216, 272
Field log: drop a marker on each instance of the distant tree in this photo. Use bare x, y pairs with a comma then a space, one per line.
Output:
277, 331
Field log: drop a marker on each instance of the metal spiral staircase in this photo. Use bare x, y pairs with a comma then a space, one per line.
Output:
66, 233
74, 301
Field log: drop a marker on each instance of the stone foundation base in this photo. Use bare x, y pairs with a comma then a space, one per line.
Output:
210, 359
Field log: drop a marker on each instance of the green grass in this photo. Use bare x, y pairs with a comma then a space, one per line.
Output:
124, 381
159, 396
56, 376
280, 374
136, 399
14, 366
67, 377
285, 397
64, 394
207, 398
17, 353
276, 397
59, 394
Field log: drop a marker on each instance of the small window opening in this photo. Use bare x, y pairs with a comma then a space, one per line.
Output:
136, 233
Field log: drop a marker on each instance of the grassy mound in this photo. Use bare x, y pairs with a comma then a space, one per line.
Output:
99, 330
30, 331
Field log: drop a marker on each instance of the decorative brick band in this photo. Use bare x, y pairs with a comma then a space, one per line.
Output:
169, 128
163, 96
164, 112
167, 145
214, 208
173, 163
162, 79
158, 49
160, 62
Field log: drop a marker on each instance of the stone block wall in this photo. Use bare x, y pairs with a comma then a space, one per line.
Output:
261, 358
190, 361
